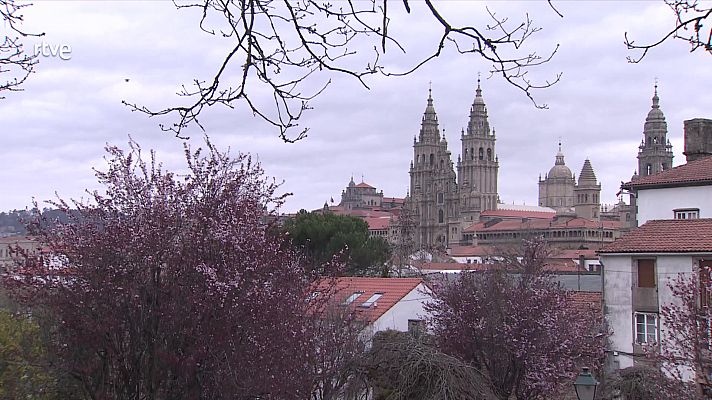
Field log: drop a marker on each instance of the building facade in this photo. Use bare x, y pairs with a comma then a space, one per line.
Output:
443, 202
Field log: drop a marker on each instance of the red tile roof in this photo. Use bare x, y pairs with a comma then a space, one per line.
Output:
463, 251
364, 213
588, 301
698, 172
364, 185
392, 289
666, 236
518, 214
397, 200
557, 223
378, 223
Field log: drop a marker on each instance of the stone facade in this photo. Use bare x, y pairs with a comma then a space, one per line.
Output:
359, 196
559, 190
698, 138
556, 190
443, 202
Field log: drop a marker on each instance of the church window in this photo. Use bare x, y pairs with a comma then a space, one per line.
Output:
472, 153
595, 198
440, 198
655, 140
417, 159
482, 153
442, 164
648, 169
465, 153
432, 159
441, 216
585, 197
489, 154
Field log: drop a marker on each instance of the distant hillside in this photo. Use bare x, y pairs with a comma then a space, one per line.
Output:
12, 222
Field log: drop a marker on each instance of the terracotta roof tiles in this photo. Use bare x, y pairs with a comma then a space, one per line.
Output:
698, 172
666, 236
392, 291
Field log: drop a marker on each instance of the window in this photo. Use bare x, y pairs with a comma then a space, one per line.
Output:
482, 153
646, 328
687, 213
353, 297
371, 300
646, 273
489, 154
441, 216
441, 198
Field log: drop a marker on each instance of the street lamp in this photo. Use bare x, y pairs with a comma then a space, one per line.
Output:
585, 385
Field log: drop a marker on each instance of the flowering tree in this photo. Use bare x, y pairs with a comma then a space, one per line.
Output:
173, 286
684, 352
519, 326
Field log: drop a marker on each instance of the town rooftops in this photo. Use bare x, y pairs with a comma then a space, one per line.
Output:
371, 297
538, 224
666, 236
694, 173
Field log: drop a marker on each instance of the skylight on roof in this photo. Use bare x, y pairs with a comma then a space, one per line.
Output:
353, 297
371, 300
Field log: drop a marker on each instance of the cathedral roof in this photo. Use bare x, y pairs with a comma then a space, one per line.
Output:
587, 175
364, 185
559, 170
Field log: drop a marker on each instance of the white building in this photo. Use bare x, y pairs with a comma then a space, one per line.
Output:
637, 268
385, 303
682, 192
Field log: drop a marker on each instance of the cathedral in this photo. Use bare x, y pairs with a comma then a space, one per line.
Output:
446, 198
453, 204
443, 202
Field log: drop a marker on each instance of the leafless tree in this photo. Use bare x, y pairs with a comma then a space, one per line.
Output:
15, 63
282, 47
691, 18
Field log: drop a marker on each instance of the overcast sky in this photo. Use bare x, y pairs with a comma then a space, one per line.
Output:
53, 133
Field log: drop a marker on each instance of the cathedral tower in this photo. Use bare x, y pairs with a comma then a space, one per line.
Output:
478, 168
655, 151
588, 193
433, 187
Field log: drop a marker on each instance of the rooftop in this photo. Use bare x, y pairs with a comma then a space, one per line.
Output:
539, 224
694, 173
666, 236
362, 293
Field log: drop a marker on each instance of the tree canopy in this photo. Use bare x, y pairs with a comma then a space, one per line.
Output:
321, 237
171, 286
519, 326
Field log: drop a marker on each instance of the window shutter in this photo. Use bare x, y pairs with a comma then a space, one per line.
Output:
646, 273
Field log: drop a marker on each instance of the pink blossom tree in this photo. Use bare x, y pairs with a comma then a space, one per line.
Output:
175, 286
519, 327
685, 349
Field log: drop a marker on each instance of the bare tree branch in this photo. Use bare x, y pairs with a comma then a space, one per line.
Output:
16, 65
281, 46
690, 19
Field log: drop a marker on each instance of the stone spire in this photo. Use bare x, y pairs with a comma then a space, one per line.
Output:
559, 157
429, 132
478, 125
655, 151
587, 176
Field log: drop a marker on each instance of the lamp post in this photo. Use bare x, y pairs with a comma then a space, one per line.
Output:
585, 385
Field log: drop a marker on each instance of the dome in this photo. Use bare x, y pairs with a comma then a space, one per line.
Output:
559, 171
